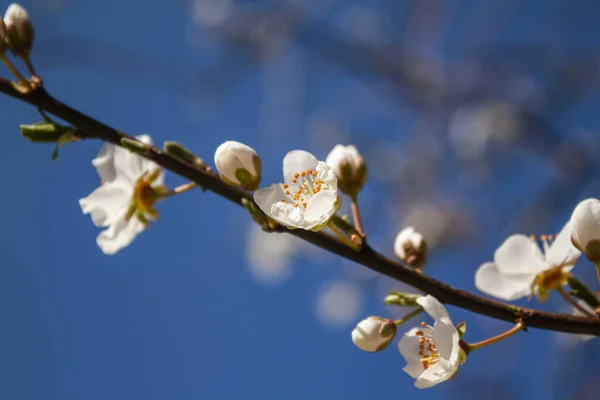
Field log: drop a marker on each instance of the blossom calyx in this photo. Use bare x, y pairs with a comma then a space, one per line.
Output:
585, 233
410, 247
374, 334
350, 168
238, 165
19, 30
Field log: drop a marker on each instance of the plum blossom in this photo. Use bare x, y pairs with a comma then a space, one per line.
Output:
238, 165
129, 188
520, 269
308, 198
432, 353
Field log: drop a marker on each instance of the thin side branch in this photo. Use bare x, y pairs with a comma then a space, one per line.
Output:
366, 256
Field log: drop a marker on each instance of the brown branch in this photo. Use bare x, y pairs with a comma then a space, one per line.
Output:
366, 257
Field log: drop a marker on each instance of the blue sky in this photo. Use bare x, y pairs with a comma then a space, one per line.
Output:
179, 314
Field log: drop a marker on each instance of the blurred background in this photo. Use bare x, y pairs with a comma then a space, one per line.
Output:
478, 119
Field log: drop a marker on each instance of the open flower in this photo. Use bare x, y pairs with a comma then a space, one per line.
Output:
124, 202
431, 352
308, 198
520, 269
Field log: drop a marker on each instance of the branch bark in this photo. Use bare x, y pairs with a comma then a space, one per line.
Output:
367, 257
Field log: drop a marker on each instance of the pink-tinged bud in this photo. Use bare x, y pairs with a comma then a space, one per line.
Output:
410, 247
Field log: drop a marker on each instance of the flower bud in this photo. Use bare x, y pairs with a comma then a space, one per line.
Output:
585, 233
350, 168
410, 247
374, 334
402, 299
19, 30
238, 165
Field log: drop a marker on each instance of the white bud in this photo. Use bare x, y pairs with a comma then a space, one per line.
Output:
410, 247
585, 232
238, 165
374, 334
350, 168
19, 30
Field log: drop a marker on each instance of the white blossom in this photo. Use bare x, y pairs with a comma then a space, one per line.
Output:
373, 333
520, 267
308, 198
431, 352
238, 165
350, 168
586, 225
124, 202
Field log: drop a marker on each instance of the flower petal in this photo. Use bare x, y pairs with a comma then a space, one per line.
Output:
132, 166
119, 235
105, 162
327, 175
320, 207
107, 203
445, 336
409, 348
519, 255
562, 248
491, 281
298, 161
266, 197
437, 373
433, 307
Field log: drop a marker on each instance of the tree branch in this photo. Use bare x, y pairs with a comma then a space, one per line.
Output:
366, 256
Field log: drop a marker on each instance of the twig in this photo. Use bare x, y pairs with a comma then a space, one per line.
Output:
366, 256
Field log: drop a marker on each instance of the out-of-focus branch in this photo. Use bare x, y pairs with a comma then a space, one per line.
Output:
367, 257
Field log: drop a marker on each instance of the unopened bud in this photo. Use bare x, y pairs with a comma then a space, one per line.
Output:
350, 168
402, 299
410, 247
374, 334
135, 146
238, 165
44, 132
179, 151
19, 30
585, 233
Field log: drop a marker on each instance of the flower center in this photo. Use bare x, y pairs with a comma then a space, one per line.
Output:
427, 349
143, 198
303, 187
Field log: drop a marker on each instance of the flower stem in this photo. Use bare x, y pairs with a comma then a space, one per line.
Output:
409, 316
15, 71
353, 245
180, 189
356, 215
572, 302
29, 65
469, 347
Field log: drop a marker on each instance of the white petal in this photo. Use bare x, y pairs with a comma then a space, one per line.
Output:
491, 281
519, 255
107, 203
562, 248
296, 162
433, 307
445, 336
327, 175
320, 207
437, 373
266, 197
105, 162
288, 215
231, 156
586, 221
409, 348
119, 235
131, 166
